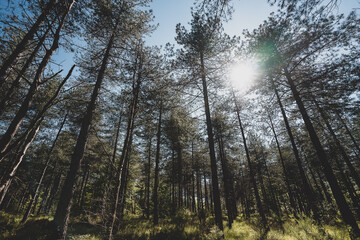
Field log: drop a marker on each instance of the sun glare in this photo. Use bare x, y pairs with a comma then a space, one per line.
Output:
242, 75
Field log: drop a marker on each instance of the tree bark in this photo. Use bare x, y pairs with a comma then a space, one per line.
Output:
343, 153
64, 205
22, 44
285, 173
19, 157
34, 198
20, 115
343, 206
120, 180
306, 188
156, 173
9, 93
214, 174
251, 172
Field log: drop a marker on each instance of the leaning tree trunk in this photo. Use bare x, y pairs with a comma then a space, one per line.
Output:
19, 157
343, 153
20, 115
120, 179
214, 174
34, 198
343, 206
305, 186
251, 172
285, 173
22, 44
64, 205
15, 84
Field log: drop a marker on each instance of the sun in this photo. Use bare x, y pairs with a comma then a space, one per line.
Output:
242, 75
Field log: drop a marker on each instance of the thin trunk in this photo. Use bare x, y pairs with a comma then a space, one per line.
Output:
83, 188
306, 188
285, 173
214, 174
19, 157
193, 204
206, 191
26, 215
343, 206
179, 174
21, 113
343, 153
64, 205
251, 172
15, 84
156, 173
20, 47
198, 189
228, 183
127, 144
148, 182
111, 167
348, 132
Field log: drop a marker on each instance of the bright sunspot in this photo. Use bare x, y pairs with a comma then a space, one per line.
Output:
242, 75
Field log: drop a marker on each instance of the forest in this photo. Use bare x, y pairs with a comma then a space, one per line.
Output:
165, 142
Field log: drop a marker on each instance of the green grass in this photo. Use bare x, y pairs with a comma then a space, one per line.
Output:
184, 225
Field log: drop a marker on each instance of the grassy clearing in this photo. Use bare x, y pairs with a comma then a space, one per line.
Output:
184, 225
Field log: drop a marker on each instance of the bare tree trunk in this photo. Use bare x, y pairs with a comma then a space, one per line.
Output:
343, 206
285, 173
34, 198
214, 174
228, 183
19, 157
64, 205
111, 167
343, 153
120, 180
20, 115
157, 159
252, 173
22, 44
148, 183
307, 190
9, 93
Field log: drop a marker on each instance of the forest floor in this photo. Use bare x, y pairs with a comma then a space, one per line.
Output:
182, 226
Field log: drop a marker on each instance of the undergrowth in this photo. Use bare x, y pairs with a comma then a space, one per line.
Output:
184, 225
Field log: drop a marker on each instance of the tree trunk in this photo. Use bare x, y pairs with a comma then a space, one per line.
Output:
19, 157
9, 93
252, 173
120, 180
285, 173
148, 182
20, 115
214, 174
306, 188
26, 215
228, 183
64, 205
111, 167
343, 153
22, 44
343, 206
156, 179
